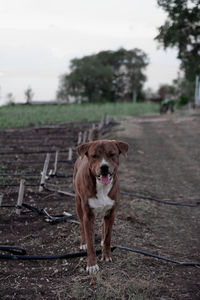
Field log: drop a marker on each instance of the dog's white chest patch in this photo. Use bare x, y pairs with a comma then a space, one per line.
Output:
102, 203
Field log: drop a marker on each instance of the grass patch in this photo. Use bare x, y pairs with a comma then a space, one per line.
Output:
110, 285
36, 115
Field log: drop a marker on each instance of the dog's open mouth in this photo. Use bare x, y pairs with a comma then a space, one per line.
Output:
105, 179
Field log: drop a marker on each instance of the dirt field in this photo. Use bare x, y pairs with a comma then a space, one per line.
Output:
163, 162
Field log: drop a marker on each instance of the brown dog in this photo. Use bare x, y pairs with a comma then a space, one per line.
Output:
97, 193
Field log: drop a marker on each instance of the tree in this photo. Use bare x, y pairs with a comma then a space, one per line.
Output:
167, 91
135, 62
105, 76
28, 95
182, 30
10, 99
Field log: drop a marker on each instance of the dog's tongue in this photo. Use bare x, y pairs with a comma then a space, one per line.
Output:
105, 179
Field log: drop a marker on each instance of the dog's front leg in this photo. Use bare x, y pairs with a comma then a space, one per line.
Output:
79, 212
88, 221
107, 225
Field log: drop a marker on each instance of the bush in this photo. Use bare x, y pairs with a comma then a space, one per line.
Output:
182, 100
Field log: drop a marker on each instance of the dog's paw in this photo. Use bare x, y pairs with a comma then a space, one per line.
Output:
93, 269
102, 242
106, 258
83, 247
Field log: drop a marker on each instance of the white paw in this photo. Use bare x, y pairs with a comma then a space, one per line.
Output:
107, 259
83, 247
93, 269
102, 243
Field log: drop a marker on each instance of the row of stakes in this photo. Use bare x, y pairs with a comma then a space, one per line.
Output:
83, 137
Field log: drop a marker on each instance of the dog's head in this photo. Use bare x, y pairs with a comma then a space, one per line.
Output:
103, 157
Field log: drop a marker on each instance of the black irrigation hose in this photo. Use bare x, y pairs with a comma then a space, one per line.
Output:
42, 257
51, 219
161, 201
62, 175
159, 257
20, 254
39, 211
15, 250
128, 194
48, 218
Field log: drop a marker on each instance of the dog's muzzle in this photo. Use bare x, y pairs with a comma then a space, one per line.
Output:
105, 175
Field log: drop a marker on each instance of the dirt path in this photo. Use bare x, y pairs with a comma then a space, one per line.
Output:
163, 162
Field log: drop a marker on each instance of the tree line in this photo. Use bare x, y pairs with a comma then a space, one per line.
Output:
105, 76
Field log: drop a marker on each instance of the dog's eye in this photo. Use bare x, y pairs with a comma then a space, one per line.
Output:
112, 154
94, 156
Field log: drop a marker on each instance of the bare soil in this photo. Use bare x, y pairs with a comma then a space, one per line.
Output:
163, 162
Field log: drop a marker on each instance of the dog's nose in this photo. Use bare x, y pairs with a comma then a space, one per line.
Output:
104, 169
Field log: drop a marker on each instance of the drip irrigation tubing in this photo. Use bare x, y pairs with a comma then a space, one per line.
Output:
17, 185
41, 211
18, 253
33, 162
175, 203
62, 175
35, 138
51, 219
20, 175
169, 202
31, 152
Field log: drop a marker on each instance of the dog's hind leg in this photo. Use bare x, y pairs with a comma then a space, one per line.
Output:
83, 245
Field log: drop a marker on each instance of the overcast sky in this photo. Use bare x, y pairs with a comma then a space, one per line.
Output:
38, 38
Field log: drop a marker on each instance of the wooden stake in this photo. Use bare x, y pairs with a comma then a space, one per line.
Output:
1, 199
84, 137
107, 119
55, 163
79, 138
20, 197
70, 153
89, 134
67, 214
44, 172
101, 123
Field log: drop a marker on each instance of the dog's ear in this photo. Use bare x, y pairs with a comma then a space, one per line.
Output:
83, 149
123, 147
